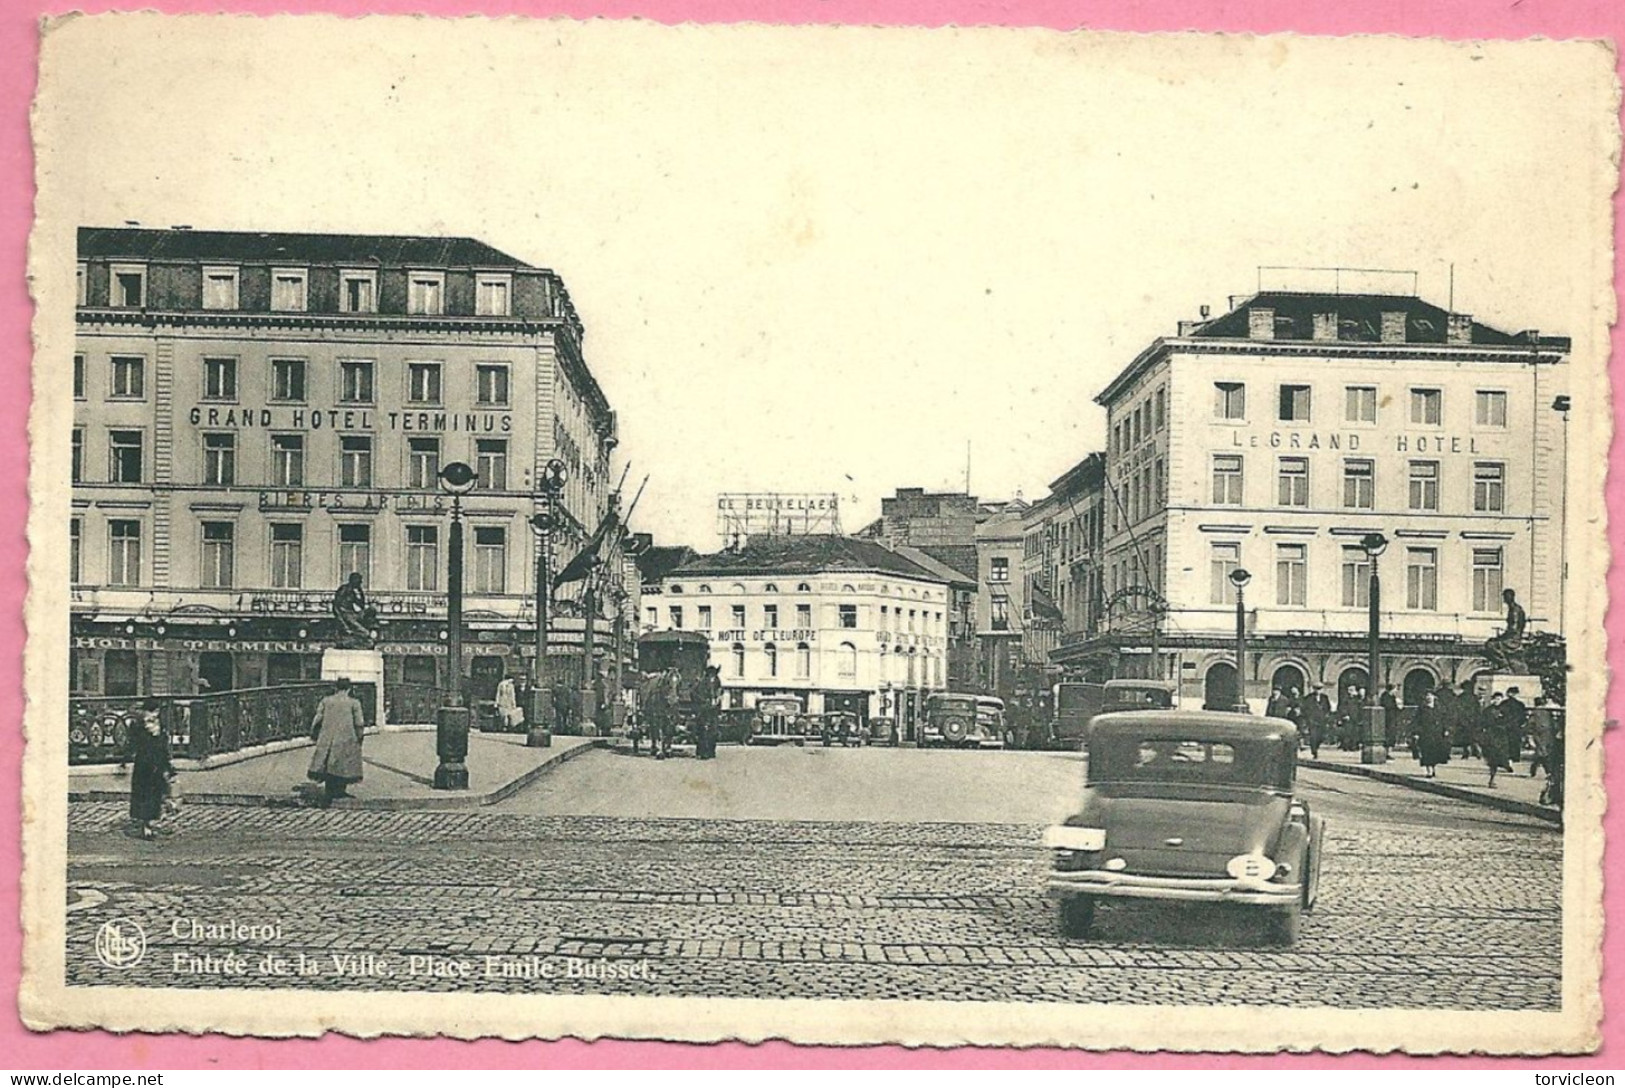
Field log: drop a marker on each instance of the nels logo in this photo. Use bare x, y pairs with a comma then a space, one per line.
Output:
120, 943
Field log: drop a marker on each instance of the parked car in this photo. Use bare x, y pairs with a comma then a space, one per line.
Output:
1193, 806
778, 719
957, 720
1077, 703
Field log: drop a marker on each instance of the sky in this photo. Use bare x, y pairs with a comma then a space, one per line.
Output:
826, 260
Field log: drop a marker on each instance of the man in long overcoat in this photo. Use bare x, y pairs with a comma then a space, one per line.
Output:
336, 762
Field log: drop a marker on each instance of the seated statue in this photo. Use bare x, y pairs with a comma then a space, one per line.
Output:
356, 618
1505, 651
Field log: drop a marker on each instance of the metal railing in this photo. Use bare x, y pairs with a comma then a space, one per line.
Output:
413, 704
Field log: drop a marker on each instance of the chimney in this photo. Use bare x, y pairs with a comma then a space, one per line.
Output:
1261, 323
1205, 311
1393, 327
1325, 326
1459, 329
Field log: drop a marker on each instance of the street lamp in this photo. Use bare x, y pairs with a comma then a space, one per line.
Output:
451, 724
1561, 404
1374, 745
542, 523
1239, 578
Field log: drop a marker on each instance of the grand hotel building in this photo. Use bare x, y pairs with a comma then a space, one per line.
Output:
1273, 438
256, 416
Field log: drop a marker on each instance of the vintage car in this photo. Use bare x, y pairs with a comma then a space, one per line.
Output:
1194, 806
779, 719
1076, 704
957, 720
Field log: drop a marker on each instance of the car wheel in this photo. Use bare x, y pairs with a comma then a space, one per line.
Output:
1284, 926
1077, 916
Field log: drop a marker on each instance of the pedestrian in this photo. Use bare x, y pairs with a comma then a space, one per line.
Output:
561, 709
600, 707
151, 775
1393, 723
634, 729
337, 728
1516, 716
1492, 737
1317, 711
703, 698
1552, 794
1276, 706
1468, 714
1432, 735
508, 708
1540, 735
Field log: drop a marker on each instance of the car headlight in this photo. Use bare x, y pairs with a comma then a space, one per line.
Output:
1253, 867
1082, 839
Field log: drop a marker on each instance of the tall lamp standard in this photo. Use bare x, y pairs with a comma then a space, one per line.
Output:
1239, 578
1561, 405
1374, 745
451, 724
543, 522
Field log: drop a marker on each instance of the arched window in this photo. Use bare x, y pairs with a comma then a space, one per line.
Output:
847, 662
803, 660
705, 589
772, 652
675, 590
770, 588
736, 588
803, 587
739, 659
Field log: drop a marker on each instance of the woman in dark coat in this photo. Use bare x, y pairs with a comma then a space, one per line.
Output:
1431, 730
148, 752
1492, 738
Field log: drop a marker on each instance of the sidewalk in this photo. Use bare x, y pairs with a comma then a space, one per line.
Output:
1462, 779
398, 770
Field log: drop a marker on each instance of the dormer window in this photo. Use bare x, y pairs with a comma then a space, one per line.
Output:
219, 287
426, 293
492, 292
128, 288
289, 289
1393, 326
358, 291
1325, 326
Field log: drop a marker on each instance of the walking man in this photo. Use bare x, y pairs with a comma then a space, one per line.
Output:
337, 727
1540, 733
1317, 710
1492, 737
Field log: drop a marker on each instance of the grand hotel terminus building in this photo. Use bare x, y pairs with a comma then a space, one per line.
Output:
1274, 438
258, 415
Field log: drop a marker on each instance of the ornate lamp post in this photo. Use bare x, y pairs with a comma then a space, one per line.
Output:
1239, 578
451, 724
1374, 744
1562, 406
542, 523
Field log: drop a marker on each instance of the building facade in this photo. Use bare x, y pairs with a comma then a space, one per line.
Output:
1063, 536
1274, 440
840, 623
257, 416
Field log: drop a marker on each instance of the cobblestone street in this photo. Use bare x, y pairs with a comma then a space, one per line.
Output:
1426, 901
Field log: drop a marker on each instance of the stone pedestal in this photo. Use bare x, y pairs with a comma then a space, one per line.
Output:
1374, 741
362, 667
451, 745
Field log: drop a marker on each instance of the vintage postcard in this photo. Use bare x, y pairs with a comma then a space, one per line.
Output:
847, 535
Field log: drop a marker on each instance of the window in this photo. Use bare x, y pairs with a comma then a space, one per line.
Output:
491, 383
426, 293
355, 461
998, 569
129, 377
220, 460
124, 457
704, 621
1294, 482
739, 659
1487, 579
491, 293
738, 614
287, 556
219, 288
999, 613
1160, 412
885, 618
491, 463
423, 383
770, 617
75, 526
219, 379
129, 287
1291, 574
1294, 403
422, 558
1360, 404
490, 559
358, 292
1424, 492
1427, 406
288, 460
1225, 558
219, 540
355, 551
848, 614
1229, 400
1356, 577
78, 377
123, 552
1359, 484
803, 616
772, 653
288, 289
423, 462
355, 381
78, 469
846, 661
1422, 578
1490, 408
288, 379
1489, 487
803, 661
1227, 479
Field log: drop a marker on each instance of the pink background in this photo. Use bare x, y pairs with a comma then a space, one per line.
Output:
1462, 19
